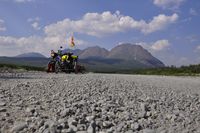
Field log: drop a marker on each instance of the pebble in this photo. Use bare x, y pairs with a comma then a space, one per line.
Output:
135, 126
90, 118
1, 96
111, 130
149, 131
3, 109
2, 103
65, 112
107, 124
100, 103
30, 110
19, 126
72, 121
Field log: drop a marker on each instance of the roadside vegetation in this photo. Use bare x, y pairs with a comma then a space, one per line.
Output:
192, 70
5, 67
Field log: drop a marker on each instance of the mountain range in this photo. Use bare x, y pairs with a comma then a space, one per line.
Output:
122, 57
125, 52
31, 54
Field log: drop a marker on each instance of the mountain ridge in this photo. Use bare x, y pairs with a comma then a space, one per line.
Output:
126, 51
31, 54
122, 57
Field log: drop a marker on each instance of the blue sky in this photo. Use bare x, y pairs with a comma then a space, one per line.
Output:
169, 29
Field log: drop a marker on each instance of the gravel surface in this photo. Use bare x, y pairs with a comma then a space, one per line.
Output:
89, 103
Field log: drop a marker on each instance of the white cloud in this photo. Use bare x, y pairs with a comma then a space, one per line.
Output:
33, 19
96, 24
157, 46
93, 24
197, 49
193, 12
11, 46
162, 50
160, 45
34, 23
159, 22
168, 4
2, 27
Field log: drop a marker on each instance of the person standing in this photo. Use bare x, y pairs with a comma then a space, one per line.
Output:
51, 64
60, 51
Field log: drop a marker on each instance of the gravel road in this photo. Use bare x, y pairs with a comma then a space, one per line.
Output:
104, 103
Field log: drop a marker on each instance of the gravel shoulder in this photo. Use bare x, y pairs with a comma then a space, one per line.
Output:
64, 103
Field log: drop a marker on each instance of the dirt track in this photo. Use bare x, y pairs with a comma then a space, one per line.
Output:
42, 103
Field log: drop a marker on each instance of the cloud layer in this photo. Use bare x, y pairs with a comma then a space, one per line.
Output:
96, 24
168, 4
93, 24
160, 45
11, 46
157, 46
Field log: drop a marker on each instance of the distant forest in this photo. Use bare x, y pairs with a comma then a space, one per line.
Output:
172, 70
5, 67
191, 70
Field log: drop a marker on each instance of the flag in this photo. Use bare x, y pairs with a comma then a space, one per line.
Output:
72, 44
